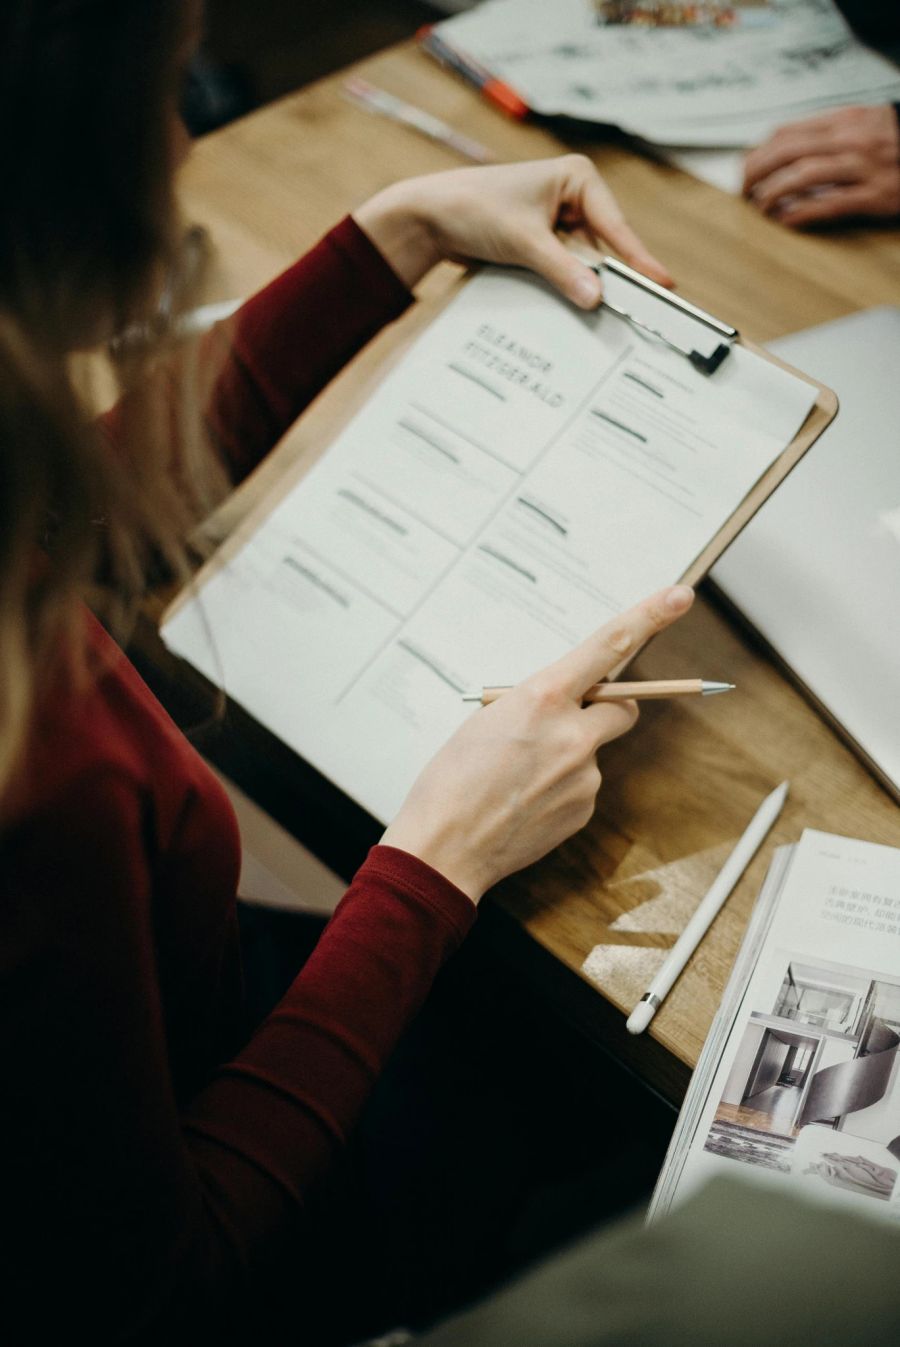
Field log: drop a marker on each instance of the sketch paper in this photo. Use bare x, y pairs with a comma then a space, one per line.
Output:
526, 472
691, 86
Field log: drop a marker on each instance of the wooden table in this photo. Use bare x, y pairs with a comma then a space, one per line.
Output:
678, 790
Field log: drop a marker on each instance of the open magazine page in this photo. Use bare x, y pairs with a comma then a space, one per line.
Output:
525, 473
689, 86
806, 1091
716, 1039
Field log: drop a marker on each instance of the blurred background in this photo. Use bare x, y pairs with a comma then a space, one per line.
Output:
256, 52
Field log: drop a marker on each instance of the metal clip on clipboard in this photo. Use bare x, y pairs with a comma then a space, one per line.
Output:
700, 338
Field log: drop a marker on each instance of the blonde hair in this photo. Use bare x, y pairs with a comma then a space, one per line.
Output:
88, 228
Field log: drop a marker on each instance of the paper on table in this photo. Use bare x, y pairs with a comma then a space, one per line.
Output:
528, 471
675, 86
738, 130
714, 152
720, 168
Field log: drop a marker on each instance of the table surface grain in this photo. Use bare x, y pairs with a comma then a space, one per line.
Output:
680, 788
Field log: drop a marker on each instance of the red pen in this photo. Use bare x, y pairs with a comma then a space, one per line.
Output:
498, 93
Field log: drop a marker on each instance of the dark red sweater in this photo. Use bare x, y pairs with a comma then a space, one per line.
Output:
151, 1159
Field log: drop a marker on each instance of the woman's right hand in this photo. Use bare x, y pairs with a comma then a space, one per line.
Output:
506, 214
521, 775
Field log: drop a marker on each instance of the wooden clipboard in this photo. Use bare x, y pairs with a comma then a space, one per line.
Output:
715, 338
235, 522
821, 414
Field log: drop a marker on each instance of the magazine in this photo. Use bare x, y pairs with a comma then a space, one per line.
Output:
798, 1083
691, 85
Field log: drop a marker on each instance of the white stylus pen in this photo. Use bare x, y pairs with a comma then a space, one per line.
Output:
702, 919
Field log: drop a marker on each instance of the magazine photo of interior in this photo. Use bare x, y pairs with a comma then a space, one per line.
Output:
814, 1087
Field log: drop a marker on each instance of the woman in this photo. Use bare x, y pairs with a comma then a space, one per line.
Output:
155, 1162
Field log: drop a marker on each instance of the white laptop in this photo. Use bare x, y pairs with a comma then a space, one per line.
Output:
817, 570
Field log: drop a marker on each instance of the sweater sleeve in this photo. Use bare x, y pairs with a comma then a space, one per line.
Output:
284, 1107
105, 1177
284, 345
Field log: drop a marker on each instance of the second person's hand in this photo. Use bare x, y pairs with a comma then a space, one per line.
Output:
521, 775
838, 164
506, 213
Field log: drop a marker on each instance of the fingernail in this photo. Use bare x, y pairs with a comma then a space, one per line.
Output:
663, 273
621, 641
679, 598
586, 290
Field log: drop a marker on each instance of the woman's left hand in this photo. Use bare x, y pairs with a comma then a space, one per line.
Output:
507, 214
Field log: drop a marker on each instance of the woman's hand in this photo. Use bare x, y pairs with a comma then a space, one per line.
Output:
521, 775
506, 214
838, 164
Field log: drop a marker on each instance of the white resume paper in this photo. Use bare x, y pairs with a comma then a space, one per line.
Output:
527, 472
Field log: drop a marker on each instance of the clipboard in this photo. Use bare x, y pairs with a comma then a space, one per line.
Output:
208, 624
706, 342
659, 313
